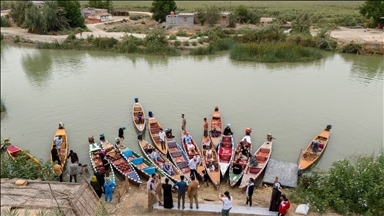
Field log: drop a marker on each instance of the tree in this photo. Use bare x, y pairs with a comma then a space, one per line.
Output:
212, 15
201, 15
302, 23
54, 17
107, 4
373, 9
232, 21
242, 13
73, 13
161, 8
34, 20
18, 11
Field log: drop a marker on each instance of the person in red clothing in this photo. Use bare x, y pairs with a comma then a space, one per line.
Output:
284, 205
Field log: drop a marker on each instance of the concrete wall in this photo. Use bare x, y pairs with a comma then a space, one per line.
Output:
180, 20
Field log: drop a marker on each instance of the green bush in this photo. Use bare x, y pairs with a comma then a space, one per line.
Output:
135, 17
202, 50
172, 37
177, 43
351, 48
71, 37
201, 40
223, 44
186, 43
16, 39
324, 41
193, 37
181, 33
5, 22
104, 43
143, 22
194, 43
268, 34
2, 105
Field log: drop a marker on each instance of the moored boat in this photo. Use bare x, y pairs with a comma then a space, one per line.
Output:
311, 155
63, 151
154, 129
138, 115
177, 155
226, 149
192, 154
94, 156
216, 127
262, 155
243, 159
14, 152
119, 162
211, 162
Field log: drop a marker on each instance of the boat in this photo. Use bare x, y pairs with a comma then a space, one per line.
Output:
226, 149
14, 152
309, 157
96, 162
63, 152
216, 123
144, 146
178, 156
234, 178
154, 129
214, 174
200, 167
262, 154
137, 108
120, 163
142, 165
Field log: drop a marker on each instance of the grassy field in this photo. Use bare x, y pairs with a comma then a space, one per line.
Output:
344, 13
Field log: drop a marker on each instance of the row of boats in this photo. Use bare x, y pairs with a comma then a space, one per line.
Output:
130, 164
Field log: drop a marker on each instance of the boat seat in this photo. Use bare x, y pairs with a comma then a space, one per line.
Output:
149, 170
261, 159
226, 139
183, 165
172, 144
265, 150
154, 125
216, 115
127, 153
176, 154
254, 170
137, 108
156, 139
226, 145
137, 161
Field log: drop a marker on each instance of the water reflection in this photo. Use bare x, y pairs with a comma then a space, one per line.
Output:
38, 67
365, 68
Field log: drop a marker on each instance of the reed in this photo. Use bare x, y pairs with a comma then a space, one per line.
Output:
203, 50
2, 105
273, 52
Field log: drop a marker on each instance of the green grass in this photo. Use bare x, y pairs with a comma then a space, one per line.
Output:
273, 52
2, 105
128, 29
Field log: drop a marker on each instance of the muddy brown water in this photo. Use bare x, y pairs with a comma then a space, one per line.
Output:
93, 94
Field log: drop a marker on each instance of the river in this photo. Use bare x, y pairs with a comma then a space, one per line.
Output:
93, 94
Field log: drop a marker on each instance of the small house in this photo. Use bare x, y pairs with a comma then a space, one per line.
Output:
224, 19
180, 19
121, 13
86, 12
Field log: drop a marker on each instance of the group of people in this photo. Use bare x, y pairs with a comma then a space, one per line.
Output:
74, 168
103, 186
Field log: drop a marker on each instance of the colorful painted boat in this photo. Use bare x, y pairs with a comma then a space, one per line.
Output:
63, 152
262, 154
120, 162
154, 129
234, 178
214, 174
200, 167
137, 108
216, 123
178, 157
94, 151
226, 149
309, 157
143, 146
14, 152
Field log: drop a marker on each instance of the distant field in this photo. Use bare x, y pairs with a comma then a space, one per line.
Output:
344, 13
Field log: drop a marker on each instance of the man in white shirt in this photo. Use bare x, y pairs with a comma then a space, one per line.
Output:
193, 164
191, 148
162, 138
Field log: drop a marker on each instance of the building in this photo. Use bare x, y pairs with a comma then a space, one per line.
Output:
74, 199
121, 13
180, 19
224, 19
86, 12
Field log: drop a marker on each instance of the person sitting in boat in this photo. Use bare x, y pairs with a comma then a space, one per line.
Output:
227, 130
214, 132
61, 125
208, 154
244, 142
167, 167
211, 167
207, 143
243, 153
156, 157
120, 145
57, 141
216, 108
187, 138
237, 168
91, 140
252, 161
140, 118
191, 148
315, 146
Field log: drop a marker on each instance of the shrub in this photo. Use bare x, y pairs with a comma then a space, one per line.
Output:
351, 48
104, 43
212, 15
202, 50
201, 40
16, 39
186, 43
71, 37
3, 108
232, 21
268, 34
135, 17
177, 43
193, 37
223, 44
143, 22
172, 37
5, 22
324, 41
181, 33
302, 23
194, 43
90, 38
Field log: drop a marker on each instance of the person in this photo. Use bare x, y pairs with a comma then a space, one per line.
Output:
284, 205
315, 146
191, 148
243, 153
227, 203
216, 108
106, 163
121, 132
192, 192
206, 177
81, 34
208, 154
252, 160
162, 138
96, 186
237, 168
215, 133
57, 141
73, 156
140, 118
58, 169
183, 123
193, 164
100, 178
205, 126
158, 184
187, 138
61, 125
207, 143
275, 198
167, 192
152, 189
244, 142
249, 191
180, 185
156, 157
55, 154
227, 130
167, 167
109, 187
73, 171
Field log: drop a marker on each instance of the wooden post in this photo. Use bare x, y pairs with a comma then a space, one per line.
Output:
126, 184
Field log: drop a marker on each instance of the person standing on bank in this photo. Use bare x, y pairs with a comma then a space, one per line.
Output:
100, 178
227, 203
192, 192
73, 156
167, 192
58, 169
275, 198
73, 171
180, 185
205, 126
96, 186
183, 122
284, 205
193, 165
249, 191
109, 187
55, 154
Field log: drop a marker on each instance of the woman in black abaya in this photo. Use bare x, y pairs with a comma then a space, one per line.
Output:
275, 199
167, 192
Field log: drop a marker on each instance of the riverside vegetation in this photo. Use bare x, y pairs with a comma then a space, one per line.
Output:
2, 105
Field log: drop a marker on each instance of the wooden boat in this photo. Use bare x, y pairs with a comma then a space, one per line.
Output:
309, 157
142, 165
178, 157
262, 154
154, 129
144, 146
200, 167
63, 152
96, 162
120, 163
137, 108
234, 178
216, 123
226, 149
214, 174
15, 151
